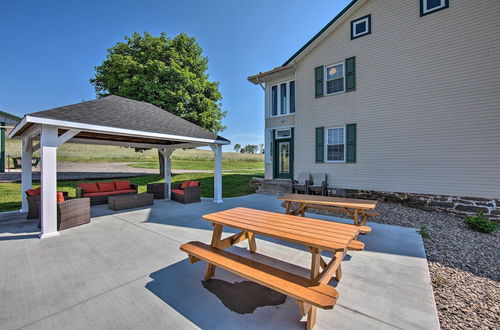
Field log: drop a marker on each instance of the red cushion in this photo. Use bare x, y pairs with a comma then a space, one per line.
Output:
178, 191
122, 185
185, 184
60, 197
88, 187
34, 192
109, 193
194, 183
106, 186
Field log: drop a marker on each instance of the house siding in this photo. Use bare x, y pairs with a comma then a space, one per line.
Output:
426, 105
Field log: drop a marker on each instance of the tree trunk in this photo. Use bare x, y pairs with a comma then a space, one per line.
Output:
162, 164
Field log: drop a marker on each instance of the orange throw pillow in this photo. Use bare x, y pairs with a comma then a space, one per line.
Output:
185, 184
34, 192
88, 187
194, 183
106, 186
122, 185
60, 197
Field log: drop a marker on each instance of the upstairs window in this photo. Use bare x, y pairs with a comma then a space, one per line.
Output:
361, 26
430, 6
283, 102
283, 99
274, 100
334, 80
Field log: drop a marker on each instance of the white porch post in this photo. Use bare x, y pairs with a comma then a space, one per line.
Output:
48, 148
26, 171
217, 149
167, 153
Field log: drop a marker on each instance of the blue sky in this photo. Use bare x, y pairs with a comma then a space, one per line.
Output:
50, 48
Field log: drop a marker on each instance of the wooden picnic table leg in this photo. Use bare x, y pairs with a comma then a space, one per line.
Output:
356, 217
315, 264
251, 242
338, 272
288, 206
216, 237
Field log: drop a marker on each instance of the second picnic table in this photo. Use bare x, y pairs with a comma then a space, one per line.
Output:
358, 209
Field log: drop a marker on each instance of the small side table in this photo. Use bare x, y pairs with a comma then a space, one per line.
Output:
157, 189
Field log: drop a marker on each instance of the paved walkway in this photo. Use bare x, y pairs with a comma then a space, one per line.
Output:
124, 270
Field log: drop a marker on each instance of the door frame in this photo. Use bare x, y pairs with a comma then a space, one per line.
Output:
275, 158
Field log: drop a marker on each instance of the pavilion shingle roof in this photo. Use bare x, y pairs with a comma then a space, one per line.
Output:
116, 111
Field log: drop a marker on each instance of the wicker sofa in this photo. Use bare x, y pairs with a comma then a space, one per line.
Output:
187, 192
98, 192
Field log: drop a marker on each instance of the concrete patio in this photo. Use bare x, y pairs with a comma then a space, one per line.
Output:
125, 270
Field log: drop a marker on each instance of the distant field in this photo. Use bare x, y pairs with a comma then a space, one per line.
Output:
181, 164
91, 153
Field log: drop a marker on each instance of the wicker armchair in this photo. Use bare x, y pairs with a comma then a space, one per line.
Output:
70, 213
191, 194
319, 184
34, 205
301, 185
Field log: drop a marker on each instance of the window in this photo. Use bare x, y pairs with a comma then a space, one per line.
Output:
361, 26
283, 133
283, 99
292, 96
334, 78
283, 102
335, 145
274, 96
430, 6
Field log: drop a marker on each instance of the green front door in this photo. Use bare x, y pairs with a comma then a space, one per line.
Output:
283, 158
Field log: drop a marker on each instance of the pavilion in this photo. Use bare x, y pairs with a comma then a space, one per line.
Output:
111, 120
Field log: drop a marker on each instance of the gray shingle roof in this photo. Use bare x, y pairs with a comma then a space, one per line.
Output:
116, 111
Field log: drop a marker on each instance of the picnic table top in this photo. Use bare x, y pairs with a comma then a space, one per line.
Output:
321, 234
363, 204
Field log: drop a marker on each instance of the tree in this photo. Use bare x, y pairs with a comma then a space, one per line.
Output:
237, 147
249, 149
169, 73
261, 148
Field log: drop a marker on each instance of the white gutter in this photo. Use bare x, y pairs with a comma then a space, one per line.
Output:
107, 129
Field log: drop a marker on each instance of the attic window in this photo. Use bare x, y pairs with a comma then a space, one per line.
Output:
430, 6
361, 26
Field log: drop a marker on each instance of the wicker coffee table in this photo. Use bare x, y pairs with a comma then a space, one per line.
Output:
123, 202
157, 189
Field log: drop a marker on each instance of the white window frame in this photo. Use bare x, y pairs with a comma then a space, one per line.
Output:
365, 19
278, 87
425, 10
326, 75
289, 136
327, 144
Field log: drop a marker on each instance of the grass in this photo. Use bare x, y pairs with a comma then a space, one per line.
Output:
233, 185
181, 164
72, 152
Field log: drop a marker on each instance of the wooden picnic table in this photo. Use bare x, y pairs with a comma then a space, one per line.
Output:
355, 208
316, 235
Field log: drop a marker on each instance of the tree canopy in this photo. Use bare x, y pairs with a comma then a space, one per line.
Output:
170, 73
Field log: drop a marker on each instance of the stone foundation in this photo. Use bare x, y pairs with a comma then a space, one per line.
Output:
461, 206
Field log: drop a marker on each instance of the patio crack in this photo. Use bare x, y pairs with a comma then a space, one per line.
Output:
369, 316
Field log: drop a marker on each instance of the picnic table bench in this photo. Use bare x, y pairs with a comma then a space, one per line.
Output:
317, 235
358, 209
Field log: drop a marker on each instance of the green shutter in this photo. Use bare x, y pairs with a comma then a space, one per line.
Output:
320, 145
273, 132
318, 81
350, 74
350, 143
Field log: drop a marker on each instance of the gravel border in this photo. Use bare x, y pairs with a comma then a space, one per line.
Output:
464, 265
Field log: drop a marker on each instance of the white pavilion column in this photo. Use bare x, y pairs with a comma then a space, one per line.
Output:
167, 162
217, 149
26, 170
48, 149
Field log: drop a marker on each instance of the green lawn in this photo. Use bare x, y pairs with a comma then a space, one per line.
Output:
233, 185
180, 164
